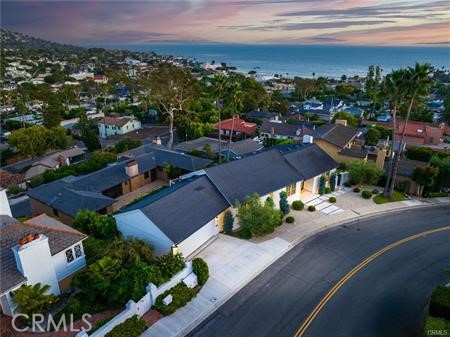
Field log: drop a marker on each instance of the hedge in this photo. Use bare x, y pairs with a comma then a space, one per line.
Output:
366, 194
200, 268
132, 327
440, 302
332, 200
181, 294
298, 205
311, 208
290, 219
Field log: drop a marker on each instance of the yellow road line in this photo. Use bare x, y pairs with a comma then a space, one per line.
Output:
301, 331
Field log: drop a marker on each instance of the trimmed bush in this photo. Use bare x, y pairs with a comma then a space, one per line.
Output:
332, 200
290, 219
228, 222
440, 302
366, 194
322, 185
311, 208
298, 205
375, 191
244, 233
348, 184
332, 182
132, 327
200, 268
181, 294
328, 190
284, 205
356, 190
14, 189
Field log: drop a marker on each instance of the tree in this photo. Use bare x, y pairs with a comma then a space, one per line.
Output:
417, 82
424, 177
303, 87
257, 218
351, 120
126, 144
361, 172
443, 177
228, 222
372, 136
98, 225
88, 133
219, 85
33, 299
284, 204
52, 113
173, 89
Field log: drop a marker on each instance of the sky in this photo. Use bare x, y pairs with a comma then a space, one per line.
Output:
358, 22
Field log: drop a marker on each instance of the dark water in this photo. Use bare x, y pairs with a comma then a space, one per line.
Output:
304, 60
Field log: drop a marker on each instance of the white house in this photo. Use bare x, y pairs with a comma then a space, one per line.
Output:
39, 250
110, 126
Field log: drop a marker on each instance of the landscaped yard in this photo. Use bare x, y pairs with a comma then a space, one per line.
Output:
397, 196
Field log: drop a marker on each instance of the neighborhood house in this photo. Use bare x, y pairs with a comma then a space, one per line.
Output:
111, 126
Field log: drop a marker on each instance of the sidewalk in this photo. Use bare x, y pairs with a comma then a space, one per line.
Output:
234, 262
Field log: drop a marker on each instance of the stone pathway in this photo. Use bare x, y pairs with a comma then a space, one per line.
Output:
322, 204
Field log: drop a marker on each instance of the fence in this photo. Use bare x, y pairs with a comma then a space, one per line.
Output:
143, 305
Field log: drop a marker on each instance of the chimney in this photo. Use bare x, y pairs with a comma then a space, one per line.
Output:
34, 261
4, 204
307, 139
341, 122
272, 130
131, 169
61, 160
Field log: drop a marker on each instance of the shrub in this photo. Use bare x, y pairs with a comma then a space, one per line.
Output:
200, 268
440, 302
375, 191
244, 233
99, 226
311, 208
170, 264
132, 327
333, 182
348, 184
364, 172
37, 180
228, 222
322, 185
366, 194
332, 200
356, 190
14, 189
284, 205
290, 219
181, 294
298, 205
328, 190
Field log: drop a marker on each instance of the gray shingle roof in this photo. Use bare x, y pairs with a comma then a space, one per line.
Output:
336, 134
245, 146
59, 236
282, 129
261, 173
187, 209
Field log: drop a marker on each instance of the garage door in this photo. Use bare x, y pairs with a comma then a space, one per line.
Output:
197, 239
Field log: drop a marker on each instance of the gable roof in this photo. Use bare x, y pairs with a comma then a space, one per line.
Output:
59, 236
115, 121
336, 134
245, 146
283, 129
238, 125
187, 209
261, 173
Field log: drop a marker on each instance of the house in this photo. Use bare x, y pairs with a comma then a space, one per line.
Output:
340, 142
56, 160
403, 180
39, 250
9, 178
200, 144
109, 126
324, 110
260, 115
354, 111
171, 221
278, 130
242, 148
99, 79
237, 127
105, 191
419, 133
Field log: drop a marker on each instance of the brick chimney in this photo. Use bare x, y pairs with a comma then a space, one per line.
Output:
61, 160
131, 169
272, 130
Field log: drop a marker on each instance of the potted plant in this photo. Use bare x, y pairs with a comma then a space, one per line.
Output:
29, 237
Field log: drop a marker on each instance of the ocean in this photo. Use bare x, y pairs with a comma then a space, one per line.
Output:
304, 60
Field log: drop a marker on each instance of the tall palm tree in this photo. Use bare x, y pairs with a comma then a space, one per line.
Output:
236, 96
393, 88
417, 82
219, 86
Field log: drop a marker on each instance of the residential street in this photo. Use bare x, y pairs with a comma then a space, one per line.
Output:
385, 298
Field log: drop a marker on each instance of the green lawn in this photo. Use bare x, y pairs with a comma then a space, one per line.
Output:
381, 199
436, 324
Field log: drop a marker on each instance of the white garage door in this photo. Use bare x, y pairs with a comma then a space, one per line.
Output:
197, 239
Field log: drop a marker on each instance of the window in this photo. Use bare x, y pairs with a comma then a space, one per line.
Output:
69, 256
290, 190
78, 252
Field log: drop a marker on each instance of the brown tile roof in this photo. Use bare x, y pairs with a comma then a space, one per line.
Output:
115, 121
60, 237
8, 178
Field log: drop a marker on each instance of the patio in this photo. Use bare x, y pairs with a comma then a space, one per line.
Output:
126, 199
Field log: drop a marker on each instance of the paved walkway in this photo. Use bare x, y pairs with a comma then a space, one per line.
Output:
233, 262
128, 198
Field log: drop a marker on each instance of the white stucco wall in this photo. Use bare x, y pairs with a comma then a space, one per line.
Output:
108, 130
63, 268
194, 241
136, 224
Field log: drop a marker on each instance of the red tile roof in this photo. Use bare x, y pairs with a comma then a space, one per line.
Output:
420, 132
8, 178
238, 125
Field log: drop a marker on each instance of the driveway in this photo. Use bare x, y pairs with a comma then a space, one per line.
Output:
232, 264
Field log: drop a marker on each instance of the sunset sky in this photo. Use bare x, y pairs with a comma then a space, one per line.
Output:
242, 21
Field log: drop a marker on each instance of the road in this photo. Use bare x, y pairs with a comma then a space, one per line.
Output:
386, 298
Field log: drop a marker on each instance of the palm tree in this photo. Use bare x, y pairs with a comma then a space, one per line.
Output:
219, 86
394, 90
417, 82
236, 96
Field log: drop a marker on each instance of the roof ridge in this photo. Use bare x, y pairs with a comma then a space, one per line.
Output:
58, 230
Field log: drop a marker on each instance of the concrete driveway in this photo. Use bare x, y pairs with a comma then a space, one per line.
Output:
232, 264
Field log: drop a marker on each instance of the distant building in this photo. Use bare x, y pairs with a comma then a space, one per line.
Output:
110, 126
278, 130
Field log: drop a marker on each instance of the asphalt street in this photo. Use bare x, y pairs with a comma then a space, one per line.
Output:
386, 298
